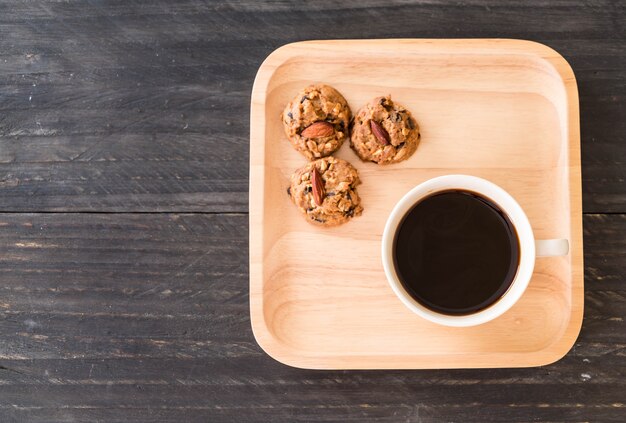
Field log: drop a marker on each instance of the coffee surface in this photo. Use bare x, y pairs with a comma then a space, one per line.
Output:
456, 252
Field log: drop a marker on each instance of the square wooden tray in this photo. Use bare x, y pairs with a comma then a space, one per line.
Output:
504, 110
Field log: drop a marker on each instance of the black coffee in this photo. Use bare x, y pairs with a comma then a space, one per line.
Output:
456, 252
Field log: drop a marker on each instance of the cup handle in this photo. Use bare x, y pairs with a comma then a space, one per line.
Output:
551, 247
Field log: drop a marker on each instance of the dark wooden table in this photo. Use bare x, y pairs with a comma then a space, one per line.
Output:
124, 228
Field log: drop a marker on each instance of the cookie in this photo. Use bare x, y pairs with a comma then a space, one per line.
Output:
317, 121
384, 132
325, 191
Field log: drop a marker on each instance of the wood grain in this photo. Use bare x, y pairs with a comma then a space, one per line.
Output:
130, 112
110, 77
91, 333
504, 110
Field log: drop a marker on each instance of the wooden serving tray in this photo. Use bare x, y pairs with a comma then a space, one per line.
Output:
504, 110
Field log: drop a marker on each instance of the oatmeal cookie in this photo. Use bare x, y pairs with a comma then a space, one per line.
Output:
325, 191
317, 121
384, 132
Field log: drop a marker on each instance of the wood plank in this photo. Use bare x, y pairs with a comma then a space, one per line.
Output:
143, 106
605, 253
105, 106
331, 404
144, 317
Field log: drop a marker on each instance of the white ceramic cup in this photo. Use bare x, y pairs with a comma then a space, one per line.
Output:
529, 247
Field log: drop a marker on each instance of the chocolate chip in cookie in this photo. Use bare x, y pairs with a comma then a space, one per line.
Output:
317, 121
325, 191
384, 132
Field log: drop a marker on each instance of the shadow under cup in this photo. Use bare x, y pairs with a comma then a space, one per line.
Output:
456, 252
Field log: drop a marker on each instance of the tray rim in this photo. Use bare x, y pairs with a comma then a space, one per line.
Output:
289, 356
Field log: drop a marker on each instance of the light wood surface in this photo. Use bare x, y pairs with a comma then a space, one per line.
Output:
504, 110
